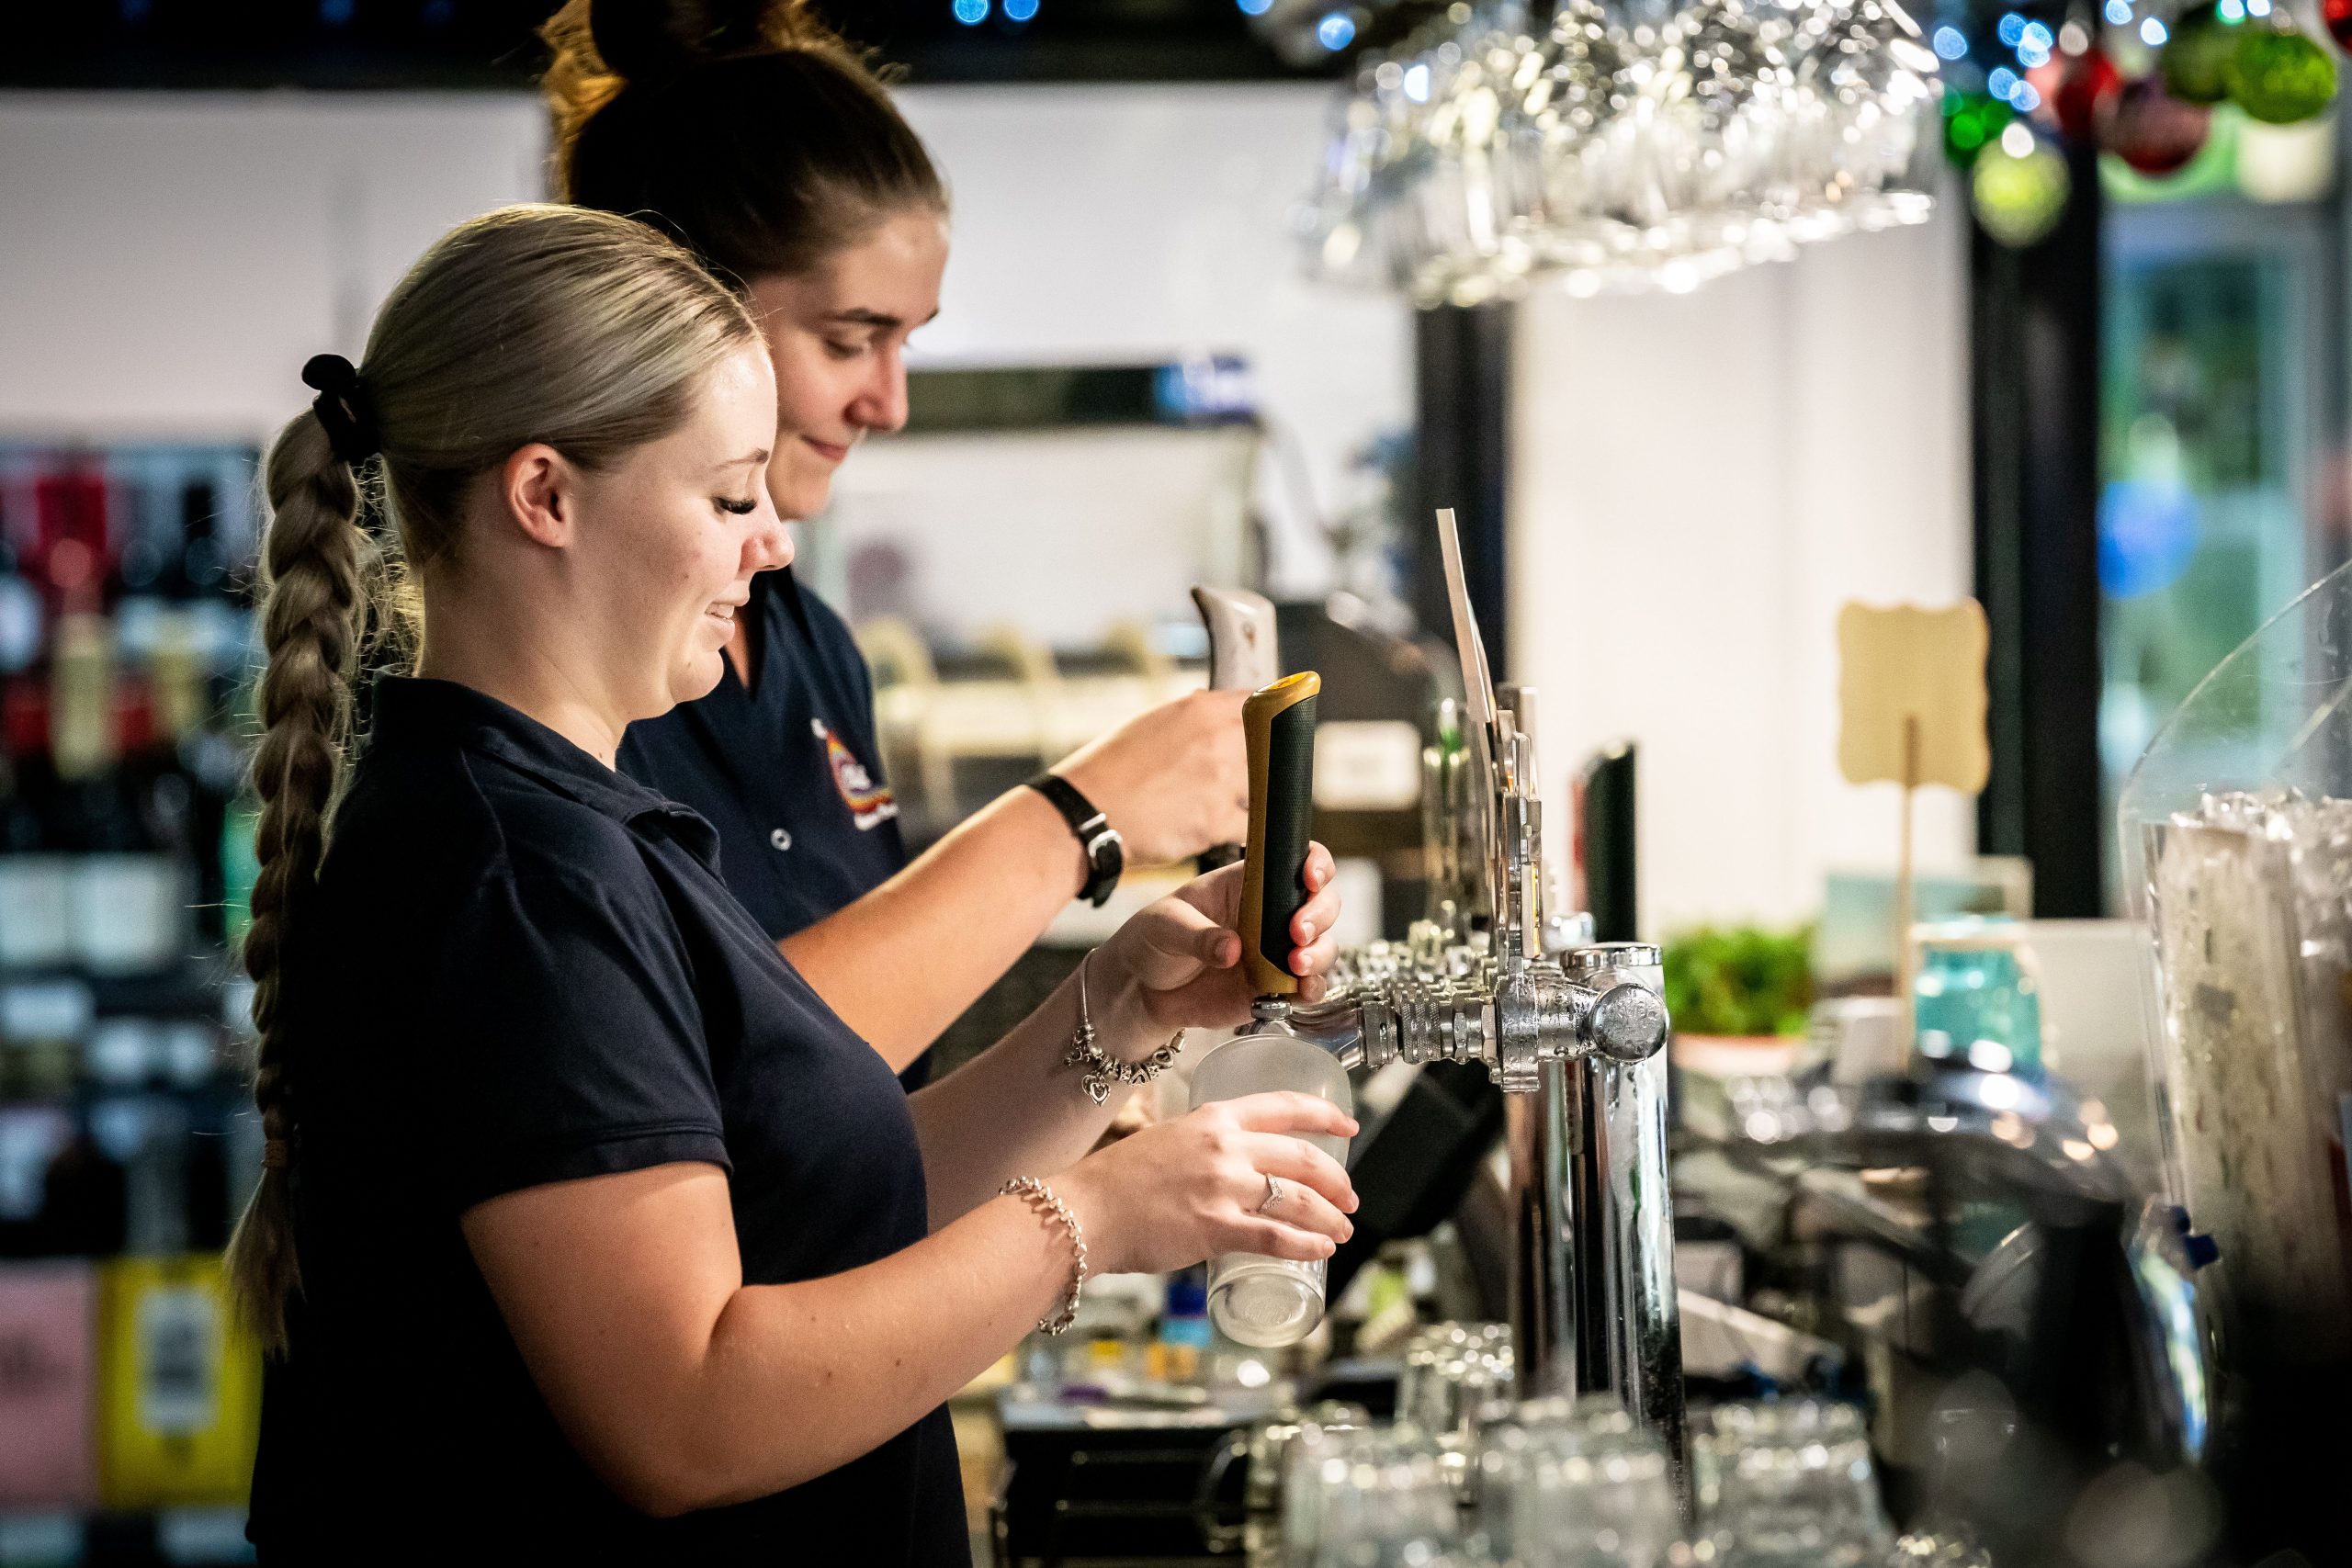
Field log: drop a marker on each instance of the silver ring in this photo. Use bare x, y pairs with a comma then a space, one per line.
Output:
1274, 1194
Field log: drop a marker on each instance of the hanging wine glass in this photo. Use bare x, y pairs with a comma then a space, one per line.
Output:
1623, 143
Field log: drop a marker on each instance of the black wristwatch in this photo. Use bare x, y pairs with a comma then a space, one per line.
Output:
1106, 855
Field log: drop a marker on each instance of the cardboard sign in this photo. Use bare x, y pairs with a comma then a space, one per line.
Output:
1905, 669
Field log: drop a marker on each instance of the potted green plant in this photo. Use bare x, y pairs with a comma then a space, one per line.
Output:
1740, 985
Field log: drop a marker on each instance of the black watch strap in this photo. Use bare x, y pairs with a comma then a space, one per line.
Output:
1106, 855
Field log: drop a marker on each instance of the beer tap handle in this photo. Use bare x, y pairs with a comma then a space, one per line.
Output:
1484, 733
1278, 724
1478, 680
1244, 654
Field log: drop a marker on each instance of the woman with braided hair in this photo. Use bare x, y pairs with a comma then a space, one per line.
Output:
766, 144
587, 1232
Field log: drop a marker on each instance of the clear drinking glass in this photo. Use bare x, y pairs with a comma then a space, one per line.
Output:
1268, 1303
1452, 1373
1790, 1485
1264, 1447
1377, 1497
1575, 1485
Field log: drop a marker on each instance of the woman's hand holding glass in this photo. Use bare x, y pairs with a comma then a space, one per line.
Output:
1238, 1175
1189, 1188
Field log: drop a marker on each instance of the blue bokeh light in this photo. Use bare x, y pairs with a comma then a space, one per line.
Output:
2027, 98
2032, 55
1019, 10
2001, 82
2230, 10
2153, 33
2119, 12
2039, 35
1335, 31
1951, 43
2148, 530
971, 12
1255, 7
2012, 28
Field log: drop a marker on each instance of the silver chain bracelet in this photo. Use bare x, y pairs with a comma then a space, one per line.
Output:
1104, 1069
1040, 1197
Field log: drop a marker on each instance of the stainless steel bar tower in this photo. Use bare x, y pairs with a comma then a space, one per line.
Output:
1574, 1033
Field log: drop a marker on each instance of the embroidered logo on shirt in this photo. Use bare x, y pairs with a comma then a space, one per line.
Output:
870, 804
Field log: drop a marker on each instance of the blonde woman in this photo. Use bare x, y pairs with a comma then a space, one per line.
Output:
587, 1231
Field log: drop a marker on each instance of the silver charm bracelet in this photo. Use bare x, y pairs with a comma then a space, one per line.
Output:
1102, 1069
1040, 1197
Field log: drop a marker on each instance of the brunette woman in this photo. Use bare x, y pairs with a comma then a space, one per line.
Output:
768, 147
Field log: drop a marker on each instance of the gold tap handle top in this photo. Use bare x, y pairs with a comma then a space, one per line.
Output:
1278, 725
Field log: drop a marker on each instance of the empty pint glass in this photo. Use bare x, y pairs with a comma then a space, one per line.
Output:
1257, 1301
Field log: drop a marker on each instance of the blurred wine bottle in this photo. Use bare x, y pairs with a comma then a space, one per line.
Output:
73, 558
126, 907
183, 776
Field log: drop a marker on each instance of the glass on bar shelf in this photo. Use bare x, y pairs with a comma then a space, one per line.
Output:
1789, 1486
1575, 1485
1369, 1497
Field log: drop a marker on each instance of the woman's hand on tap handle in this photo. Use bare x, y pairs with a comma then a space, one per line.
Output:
1173, 780
1187, 1190
1180, 959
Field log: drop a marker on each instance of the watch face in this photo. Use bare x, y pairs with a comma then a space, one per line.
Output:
1107, 858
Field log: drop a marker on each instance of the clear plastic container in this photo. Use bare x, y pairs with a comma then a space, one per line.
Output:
2236, 838
1267, 1303
2236, 834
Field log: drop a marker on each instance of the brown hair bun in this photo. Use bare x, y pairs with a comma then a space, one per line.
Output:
744, 128
658, 40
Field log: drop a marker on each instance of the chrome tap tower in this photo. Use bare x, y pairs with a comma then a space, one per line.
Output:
1573, 1033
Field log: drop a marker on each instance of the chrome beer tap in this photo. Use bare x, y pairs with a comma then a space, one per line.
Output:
1574, 1033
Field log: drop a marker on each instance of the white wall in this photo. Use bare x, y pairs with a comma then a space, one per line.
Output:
167, 263
1699, 482
1098, 223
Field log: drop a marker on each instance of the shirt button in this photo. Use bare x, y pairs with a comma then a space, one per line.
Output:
780, 839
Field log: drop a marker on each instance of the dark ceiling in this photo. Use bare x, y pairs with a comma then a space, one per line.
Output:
488, 43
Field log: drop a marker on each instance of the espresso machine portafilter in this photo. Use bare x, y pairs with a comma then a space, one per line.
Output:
1575, 1036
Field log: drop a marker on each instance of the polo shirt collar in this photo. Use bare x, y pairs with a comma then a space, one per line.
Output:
409, 710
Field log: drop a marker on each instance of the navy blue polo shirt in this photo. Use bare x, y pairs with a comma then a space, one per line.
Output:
520, 967
786, 770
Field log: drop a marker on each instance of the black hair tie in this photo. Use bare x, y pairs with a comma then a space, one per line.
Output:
343, 408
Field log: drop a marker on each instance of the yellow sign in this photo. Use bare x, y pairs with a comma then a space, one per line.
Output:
1911, 696
180, 1388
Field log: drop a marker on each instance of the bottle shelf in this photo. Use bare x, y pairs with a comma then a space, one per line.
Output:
128, 1408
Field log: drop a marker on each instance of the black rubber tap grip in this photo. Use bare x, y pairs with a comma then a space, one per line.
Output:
1278, 725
